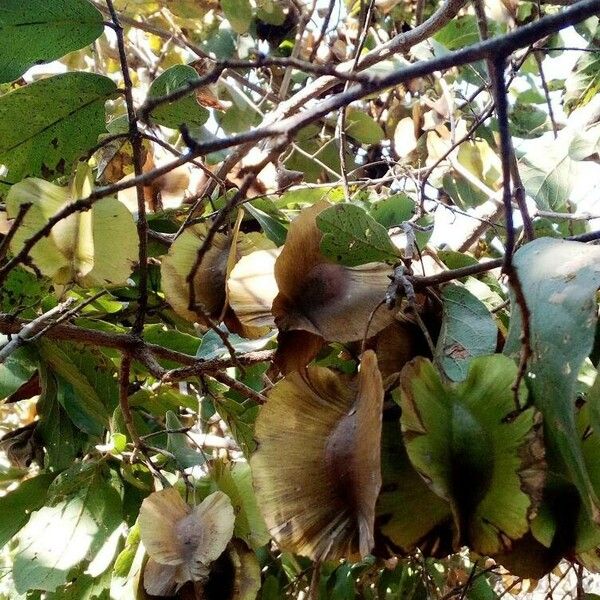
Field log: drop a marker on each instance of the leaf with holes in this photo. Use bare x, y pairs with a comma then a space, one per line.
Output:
46, 125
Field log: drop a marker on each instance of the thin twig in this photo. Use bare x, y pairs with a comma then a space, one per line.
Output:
23, 209
135, 139
508, 267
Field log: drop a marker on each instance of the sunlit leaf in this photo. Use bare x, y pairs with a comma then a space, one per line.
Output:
97, 247
17, 505
238, 13
37, 31
65, 116
352, 237
362, 127
83, 512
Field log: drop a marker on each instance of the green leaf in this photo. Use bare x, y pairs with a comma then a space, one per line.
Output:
159, 400
404, 493
37, 31
236, 481
17, 505
212, 346
87, 387
462, 192
393, 211
184, 111
274, 229
238, 13
172, 339
528, 121
362, 127
490, 469
468, 330
127, 570
352, 237
17, 369
84, 509
21, 291
549, 170
83, 587
559, 279
459, 32
178, 445
46, 125
60, 438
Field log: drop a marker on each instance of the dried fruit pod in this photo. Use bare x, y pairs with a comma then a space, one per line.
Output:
317, 468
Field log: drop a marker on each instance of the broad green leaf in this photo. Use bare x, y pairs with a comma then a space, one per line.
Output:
184, 111
83, 587
158, 401
98, 247
459, 32
462, 192
270, 11
22, 291
352, 237
468, 330
273, 229
240, 417
16, 370
62, 441
362, 127
593, 402
172, 339
127, 571
238, 13
549, 170
490, 469
46, 125
393, 211
17, 505
528, 121
38, 31
559, 280
84, 509
87, 386
236, 481
178, 444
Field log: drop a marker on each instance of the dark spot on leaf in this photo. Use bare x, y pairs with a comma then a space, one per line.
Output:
54, 142
60, 166
46, 171
457, 351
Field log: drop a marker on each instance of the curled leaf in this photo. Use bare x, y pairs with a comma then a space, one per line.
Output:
559, 280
